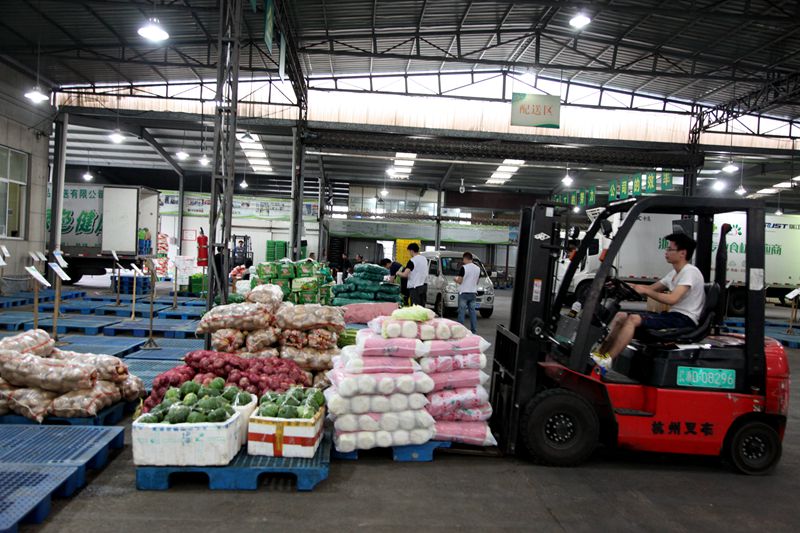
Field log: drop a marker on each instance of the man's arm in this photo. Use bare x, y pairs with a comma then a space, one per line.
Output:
658, 295
407, 272
460, 277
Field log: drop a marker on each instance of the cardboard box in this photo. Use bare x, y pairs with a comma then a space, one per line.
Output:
285, 437
206, 444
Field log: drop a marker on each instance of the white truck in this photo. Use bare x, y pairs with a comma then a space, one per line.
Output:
96, 219
641, 259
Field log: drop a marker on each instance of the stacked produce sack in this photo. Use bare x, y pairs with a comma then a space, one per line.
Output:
453, 359
37, 379
377, 397
366, 285
303, 282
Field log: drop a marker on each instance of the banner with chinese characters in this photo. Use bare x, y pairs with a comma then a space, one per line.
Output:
666, 181
591, 197
81, 215
637, 185
613, 190
623, 188
650, 183
573, 198
535, 110
582, 197
244, 207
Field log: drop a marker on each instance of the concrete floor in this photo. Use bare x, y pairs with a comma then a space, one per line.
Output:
613, 491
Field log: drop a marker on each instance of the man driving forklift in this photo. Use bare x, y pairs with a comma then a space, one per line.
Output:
686, 297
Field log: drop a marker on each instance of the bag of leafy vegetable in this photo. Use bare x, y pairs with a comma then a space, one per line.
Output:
267, 270
305, 268
369, 268
286, 270
84, 403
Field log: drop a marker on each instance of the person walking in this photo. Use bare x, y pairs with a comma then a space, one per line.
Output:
416, 272
467, 280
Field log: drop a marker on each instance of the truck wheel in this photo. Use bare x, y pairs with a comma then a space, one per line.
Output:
755, 449
581, 291
560, 428
737, 302
438, 307
486, 313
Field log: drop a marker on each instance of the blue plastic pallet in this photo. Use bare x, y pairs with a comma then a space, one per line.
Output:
81, 447
187, 344
88, 325
183, 312
6, 302
16, 320
107, 417
175, 329
82, 307
184, 301
160, 354
403, 454
26, 492
48, 295
110, 297
779, 334
116, 342
243, 472
148, 369
142, 309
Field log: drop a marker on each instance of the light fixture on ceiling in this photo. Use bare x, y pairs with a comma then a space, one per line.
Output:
247, 138
384, 192
36, 95
116, 136
153, 31
204, 160
87, 176
740, 190
730, 168
719, 185
779, 211
567, 179
576, 209
462, 189
579, 21
182, 155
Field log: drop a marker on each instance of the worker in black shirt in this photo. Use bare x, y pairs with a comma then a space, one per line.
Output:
394, 267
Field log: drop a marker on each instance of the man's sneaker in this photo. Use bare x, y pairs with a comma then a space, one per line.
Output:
603, 360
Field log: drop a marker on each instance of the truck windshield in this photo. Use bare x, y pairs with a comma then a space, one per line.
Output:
451, 266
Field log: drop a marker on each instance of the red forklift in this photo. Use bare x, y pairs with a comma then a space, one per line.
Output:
686, 391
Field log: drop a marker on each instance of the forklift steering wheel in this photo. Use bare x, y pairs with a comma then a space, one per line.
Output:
624, 291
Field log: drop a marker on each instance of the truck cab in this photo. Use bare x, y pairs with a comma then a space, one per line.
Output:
443, 267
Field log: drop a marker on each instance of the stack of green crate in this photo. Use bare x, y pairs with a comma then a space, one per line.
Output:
276, 250
198, 283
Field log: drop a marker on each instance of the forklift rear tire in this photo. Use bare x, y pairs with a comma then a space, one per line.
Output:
560, 428
755, 449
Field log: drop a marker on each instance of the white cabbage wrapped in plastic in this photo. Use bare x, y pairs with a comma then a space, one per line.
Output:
385, 384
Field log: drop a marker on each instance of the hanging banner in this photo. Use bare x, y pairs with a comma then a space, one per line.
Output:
666, 181
535, 110
582, 197
650, 183
637, 185
573, 198
591, 197
451, 232
269, 24
623, 188
613, 190
196, 204
282, 59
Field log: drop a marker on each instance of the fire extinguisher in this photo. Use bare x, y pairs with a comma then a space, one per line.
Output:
202, 249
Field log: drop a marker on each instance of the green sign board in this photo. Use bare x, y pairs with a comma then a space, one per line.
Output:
708, 378
637, 185
573, 198
623, 188
666, 181
591, 197
582, 197
613, 190
650, 183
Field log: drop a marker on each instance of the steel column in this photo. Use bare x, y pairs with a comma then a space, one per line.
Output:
57, 186
296, 224
181, 197
438, 242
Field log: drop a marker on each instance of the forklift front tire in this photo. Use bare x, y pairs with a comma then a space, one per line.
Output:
560, 428
755, 448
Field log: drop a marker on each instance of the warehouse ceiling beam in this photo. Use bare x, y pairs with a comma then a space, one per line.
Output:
293, 67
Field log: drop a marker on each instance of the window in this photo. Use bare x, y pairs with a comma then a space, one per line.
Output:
433, 269
13, 190
452, 265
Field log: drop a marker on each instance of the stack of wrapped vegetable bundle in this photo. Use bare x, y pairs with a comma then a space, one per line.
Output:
366, 285
302, 282
37, 379
453, 359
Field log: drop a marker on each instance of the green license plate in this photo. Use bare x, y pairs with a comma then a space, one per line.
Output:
709, 378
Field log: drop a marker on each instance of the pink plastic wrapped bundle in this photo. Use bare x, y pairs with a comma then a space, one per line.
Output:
438, 328
371, 344
109, 368
478, 414
459, 379
227, 340
471, 344
363, 313
26, 370
353, 384
262, 339
475, 433
322, 339
310, 316
294, 338
268, 294
447, 401
389, 421
244, 316
377, 365
262, 354
339, 405
132, 388
84, 403
31, 403
366, 440
449, 363
309, 358
35, 341
5, 389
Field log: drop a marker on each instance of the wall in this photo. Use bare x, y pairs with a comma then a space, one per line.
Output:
20, 121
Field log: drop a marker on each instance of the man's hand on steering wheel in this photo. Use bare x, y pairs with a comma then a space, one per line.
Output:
626, 291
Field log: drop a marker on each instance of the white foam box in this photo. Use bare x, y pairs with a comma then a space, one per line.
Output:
244, 418
206, 444
285, 437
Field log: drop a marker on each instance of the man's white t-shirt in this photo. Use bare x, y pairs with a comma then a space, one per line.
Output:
418, 276
694, 300
469, 278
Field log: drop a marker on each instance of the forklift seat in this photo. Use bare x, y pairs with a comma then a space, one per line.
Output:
690, 334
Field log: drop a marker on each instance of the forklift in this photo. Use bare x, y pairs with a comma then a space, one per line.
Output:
687, 391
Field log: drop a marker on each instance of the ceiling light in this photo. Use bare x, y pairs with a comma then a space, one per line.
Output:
403, 163
259, 161
495, 181
506, 168
741, 191
262, 168
783, 185
394, 171
243, 184
247, 137
767, 191
204, 160
405, 155
576, 209
730, 168
116, 136
152, 31
399, 176
36, 95
719, 185
501, 176
384, 192
88, 176
579, 21
181, 155
779, 211
567, 180
517, 162
710, 171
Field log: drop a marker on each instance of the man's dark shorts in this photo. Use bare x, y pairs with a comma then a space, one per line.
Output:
668, 320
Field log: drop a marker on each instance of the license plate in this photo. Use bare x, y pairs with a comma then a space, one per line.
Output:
710, 378
477, 305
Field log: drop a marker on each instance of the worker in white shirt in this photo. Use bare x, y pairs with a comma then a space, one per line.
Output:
467, 280
416, 272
